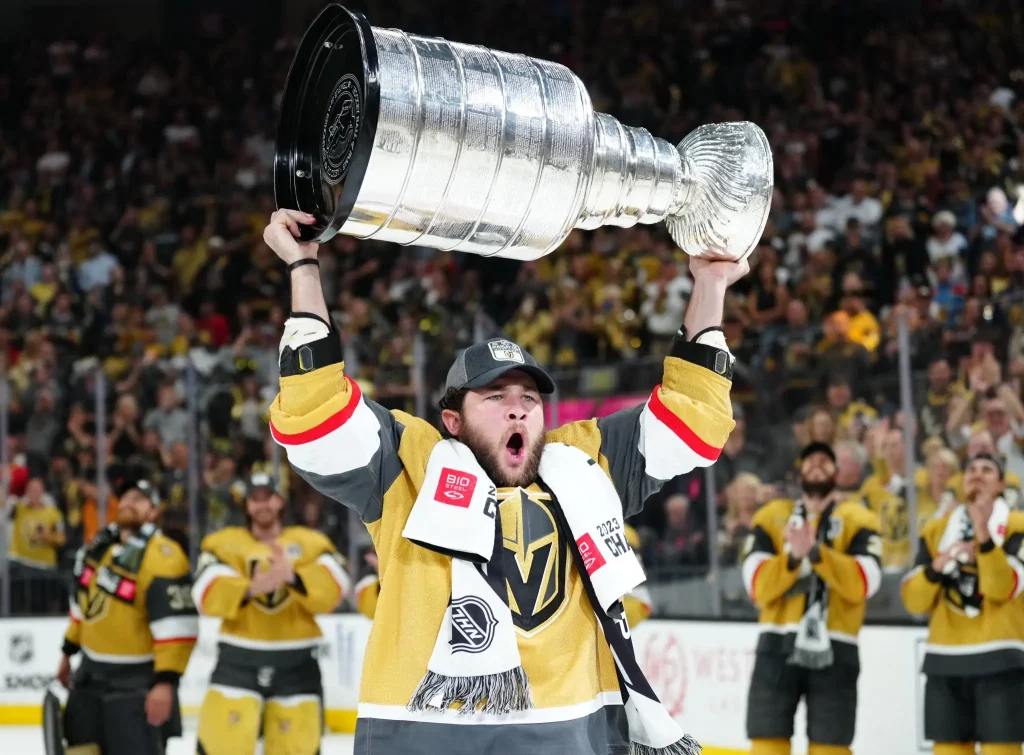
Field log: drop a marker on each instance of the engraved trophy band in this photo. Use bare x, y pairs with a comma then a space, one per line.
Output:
417, 140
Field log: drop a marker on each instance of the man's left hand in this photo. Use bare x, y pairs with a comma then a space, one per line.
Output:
719, 271
158, 704
801, 539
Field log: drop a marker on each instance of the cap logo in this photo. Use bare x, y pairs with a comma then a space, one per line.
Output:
505, 351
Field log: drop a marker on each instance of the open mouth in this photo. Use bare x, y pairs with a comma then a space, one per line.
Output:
515, 447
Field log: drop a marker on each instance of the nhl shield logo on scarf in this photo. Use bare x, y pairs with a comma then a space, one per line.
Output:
473, 625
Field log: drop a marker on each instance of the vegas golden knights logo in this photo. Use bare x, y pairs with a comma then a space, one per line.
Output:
96, 605
895, 519
536, 560
961, 592
271, 602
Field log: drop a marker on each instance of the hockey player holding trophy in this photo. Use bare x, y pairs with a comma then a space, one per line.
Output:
502, 553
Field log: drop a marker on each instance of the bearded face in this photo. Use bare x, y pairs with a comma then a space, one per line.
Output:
134, 510
818, 475
503, 424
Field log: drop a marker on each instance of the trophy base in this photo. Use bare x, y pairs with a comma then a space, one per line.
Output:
328, 121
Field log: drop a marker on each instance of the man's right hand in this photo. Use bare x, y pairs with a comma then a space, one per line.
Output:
64, 672
282, 234
264, 583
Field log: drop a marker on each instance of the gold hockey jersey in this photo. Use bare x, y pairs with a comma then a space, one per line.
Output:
374, 461
850, 564
279, 626
976, 623
133, 607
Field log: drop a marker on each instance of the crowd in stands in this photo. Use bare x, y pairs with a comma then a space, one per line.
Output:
135, 181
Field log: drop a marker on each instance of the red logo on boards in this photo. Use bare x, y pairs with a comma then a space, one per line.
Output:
455, 488
664, 664
592, 558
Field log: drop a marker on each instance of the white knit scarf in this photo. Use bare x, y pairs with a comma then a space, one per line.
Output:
476, 660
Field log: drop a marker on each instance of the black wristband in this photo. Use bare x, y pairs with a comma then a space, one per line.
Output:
70, 649
792, 562
314, 355
300, 263
987, 547
165, 677
931, 575
815, 553
702, 355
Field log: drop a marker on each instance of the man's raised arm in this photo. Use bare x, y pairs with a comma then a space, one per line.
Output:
343, 444
688, 417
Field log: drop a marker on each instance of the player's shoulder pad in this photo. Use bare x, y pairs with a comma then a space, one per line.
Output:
220, 541
858, 515
165, 558
313, 541
772, 511
1015, 523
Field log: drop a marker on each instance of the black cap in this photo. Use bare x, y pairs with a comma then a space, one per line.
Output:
483, 363
147, 489
817, 447
988, 457
259, 481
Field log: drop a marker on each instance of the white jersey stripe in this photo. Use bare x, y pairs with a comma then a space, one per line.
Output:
347, 447
339, 575
750, 566
174, 628
871, 572
207, 577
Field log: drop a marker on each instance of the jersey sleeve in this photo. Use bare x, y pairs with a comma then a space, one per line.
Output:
73, 635
173, 620
767, 574
1001, 568
339, 441
320, 584
682, 426
920, 586
367, 591
219, 590
856, 574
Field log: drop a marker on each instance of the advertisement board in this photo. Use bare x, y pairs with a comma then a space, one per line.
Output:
701, 671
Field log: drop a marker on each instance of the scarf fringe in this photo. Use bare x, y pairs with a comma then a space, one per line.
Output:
812, 659
685, 746
499, 693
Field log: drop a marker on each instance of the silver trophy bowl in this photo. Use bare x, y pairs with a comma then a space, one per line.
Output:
414, 140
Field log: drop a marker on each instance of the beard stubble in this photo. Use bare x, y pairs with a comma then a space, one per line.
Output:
489, 459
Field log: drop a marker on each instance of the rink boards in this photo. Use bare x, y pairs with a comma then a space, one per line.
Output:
699, 669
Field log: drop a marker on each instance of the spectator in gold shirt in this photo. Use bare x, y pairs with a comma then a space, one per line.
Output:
37, 534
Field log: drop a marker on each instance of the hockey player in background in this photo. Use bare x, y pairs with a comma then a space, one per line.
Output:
133, 620
267, 583
969, 578
503, 559
810, 565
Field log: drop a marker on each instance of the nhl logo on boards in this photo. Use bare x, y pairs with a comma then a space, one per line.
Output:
505, 351
473, 625
20, 649
455, 488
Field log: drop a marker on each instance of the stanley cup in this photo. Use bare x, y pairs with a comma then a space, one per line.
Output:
417, 140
